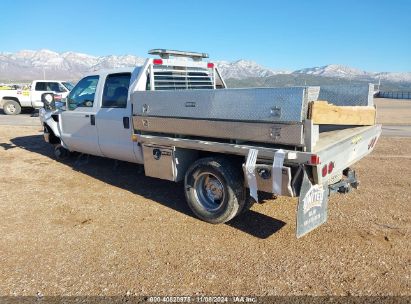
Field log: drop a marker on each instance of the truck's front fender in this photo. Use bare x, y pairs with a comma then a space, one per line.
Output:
47, 120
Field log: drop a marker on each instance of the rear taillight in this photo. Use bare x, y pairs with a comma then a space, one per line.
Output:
315, 160
210, 65
330, 167
327, 169
324, 171
157, 61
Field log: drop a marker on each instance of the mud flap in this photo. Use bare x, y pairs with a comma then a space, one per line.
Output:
312, 206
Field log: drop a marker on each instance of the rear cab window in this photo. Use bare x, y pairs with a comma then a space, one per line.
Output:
115, 90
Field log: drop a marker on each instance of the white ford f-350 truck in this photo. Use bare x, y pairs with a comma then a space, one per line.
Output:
12, 101
175, 116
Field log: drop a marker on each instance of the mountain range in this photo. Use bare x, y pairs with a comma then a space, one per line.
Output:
29, 64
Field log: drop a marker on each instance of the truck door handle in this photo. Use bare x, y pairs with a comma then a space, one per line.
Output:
126, 122
92, 120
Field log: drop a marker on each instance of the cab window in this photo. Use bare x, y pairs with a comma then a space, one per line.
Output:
69, 86
41, 86
115, 91
56, 87
83, 93
50, 86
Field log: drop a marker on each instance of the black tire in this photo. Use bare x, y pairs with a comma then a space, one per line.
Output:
214, 189
61, 153
11, 107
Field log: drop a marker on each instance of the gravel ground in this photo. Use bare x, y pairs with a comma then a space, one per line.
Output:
23, 119
79, 228
393, 111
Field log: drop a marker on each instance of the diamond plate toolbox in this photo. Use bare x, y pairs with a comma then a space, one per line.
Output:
348, 95
272, 105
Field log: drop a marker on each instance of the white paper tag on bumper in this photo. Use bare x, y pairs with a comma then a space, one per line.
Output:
277, 172
250, 173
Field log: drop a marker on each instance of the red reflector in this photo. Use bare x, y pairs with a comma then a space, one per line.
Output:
315, 159
324, 171
210, 65
330, 167
158, 61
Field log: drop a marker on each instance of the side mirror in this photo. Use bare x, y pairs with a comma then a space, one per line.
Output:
48, 100
52, 101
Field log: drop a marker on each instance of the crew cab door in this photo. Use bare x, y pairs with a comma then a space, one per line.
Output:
114, 119
78, 123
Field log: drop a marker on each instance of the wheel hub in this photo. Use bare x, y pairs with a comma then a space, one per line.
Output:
209, 191
11, 108
214, 189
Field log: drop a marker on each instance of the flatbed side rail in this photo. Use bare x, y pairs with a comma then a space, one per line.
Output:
292, 157
345, 152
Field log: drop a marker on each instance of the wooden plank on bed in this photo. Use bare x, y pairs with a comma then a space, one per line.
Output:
324, 113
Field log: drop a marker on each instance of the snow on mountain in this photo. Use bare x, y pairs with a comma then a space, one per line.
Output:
241, 69
28, 64
333, 70
112, 61
341, 71
394, 77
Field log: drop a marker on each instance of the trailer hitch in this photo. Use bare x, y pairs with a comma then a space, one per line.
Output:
346, 184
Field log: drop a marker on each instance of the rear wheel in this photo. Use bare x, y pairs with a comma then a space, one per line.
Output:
215, 190
11, 107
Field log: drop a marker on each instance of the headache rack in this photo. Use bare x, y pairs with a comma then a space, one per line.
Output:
182, 78
179, 73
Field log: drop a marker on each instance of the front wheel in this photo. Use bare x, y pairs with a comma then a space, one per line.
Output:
61, 153
214, 190
11, 107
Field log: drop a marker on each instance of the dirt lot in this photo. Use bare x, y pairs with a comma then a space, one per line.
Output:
93, 228
393, 111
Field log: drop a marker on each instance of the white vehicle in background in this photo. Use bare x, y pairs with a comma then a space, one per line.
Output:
12, 101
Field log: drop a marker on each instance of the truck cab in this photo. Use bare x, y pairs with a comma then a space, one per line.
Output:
97, 116
97, 119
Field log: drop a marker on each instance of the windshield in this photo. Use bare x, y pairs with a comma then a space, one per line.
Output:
82, 94
68, 85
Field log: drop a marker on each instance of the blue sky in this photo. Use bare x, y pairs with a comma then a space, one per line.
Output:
287, 34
